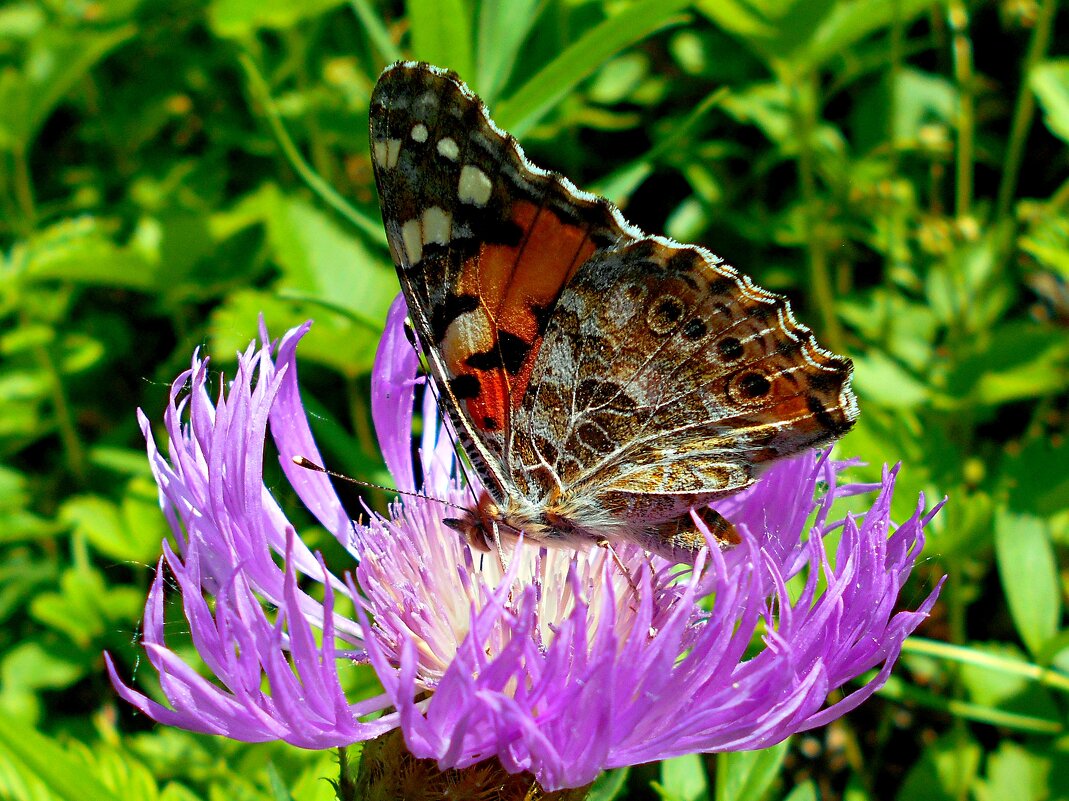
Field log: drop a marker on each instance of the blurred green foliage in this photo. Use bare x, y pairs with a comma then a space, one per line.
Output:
169, 170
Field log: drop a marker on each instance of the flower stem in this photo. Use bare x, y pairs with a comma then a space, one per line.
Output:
895, 223
376, 31
898, 690
261, 92
24, 187
68, 432
1052, 679
804, 99
963, 74
346, 788
1026, 105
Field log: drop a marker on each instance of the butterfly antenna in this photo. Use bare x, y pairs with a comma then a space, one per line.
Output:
622, 567
308, 464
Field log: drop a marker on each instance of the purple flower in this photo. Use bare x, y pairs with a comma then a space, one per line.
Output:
552, 661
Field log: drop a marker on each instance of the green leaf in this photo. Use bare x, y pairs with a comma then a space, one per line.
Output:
56, 60
946, 770
1040, 456
806, 791
775, 29
336, 340
1028, 570
130, 532
748, 775
22, 525
850, 22
618, 185
20, 21
1050, 81
80, 251
768, 107
79, 353
123, 461
882, 379
1017, 773
1014, 361
21, 579
796, 36
50, 766
323, 263
503, 27
129, 777
85, 608
683, 779
999, 679
971, 290
31, 666
921, 99
609, 785
14, 494
177, 792
442, 34
579, 60
376, 31
309, 785
259, 88
855, 791
240, 19
278, 784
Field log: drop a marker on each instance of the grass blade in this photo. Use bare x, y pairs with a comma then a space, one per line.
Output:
545, 89
442, 34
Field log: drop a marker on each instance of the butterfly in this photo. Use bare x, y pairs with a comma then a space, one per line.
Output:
603, 383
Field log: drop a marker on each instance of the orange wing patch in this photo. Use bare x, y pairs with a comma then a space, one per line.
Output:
491, 350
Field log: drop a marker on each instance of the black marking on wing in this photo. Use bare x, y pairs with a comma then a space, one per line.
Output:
510, 352
453, 306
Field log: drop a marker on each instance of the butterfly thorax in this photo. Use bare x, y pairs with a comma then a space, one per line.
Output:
557, 520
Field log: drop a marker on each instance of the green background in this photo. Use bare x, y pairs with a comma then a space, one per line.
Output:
170, 170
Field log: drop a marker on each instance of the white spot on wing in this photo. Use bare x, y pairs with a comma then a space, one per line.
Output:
412, 237
381, 153
419, 132
393, 150
448, 148
474, 187
436, 225
467, 334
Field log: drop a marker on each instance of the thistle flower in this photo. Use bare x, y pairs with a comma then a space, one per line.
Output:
556, 662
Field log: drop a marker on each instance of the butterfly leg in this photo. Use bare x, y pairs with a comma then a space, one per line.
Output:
607, 545
503, 563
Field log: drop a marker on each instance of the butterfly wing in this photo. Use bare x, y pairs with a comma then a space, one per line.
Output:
613, 381
666, 379
484, 243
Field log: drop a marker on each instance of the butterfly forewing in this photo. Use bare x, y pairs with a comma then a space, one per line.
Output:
484, 244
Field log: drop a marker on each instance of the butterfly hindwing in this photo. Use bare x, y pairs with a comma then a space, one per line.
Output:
666, 380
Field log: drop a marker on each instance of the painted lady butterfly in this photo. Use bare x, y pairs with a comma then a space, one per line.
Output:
602, 382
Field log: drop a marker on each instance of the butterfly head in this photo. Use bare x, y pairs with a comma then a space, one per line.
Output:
479, 525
